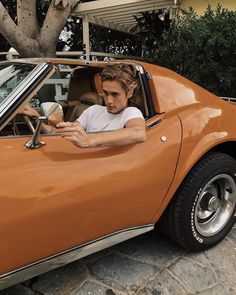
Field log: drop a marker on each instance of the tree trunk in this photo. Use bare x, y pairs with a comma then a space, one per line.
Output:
23, 44
27, 37
56, 18
26, 14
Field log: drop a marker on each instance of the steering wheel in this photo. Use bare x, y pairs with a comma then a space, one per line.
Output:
28, 123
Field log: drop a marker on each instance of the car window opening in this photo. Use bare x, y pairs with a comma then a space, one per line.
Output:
75, 90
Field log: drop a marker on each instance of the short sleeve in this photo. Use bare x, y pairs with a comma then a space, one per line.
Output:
85, 117
131, 113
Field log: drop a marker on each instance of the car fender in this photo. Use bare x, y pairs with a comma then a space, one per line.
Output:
204, 128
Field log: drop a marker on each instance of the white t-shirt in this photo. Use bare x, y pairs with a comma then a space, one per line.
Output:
96, 118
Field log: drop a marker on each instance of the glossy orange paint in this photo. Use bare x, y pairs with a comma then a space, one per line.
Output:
64, 196
207, 120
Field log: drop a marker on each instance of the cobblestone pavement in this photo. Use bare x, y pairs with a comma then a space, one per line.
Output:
146, 265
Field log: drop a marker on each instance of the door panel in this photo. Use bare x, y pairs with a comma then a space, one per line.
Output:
60, 196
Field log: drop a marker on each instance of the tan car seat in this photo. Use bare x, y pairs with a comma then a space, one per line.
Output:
98, 83
76, 108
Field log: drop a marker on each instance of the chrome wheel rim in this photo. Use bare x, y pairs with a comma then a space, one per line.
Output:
215, 205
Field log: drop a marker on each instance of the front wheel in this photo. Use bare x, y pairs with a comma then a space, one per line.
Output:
202, 212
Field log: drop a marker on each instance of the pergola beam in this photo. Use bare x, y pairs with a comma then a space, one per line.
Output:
135, 10
86, 43
111, 14
92, 6
127, 7
107, 24
116, 15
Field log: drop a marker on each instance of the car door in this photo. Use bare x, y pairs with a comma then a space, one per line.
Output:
60, 196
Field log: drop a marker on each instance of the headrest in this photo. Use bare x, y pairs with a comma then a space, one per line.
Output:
91, 98
98, 83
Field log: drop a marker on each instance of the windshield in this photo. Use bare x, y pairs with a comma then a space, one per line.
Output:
18, 80
11, 76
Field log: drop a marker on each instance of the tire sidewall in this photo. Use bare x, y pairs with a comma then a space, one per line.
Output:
189, 230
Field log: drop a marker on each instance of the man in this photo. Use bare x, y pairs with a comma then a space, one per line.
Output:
113, 124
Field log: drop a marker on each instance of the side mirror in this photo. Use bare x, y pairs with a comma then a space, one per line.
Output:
52, 114
52, 111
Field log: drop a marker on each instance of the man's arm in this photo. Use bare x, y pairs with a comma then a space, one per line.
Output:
29, 111
133, 132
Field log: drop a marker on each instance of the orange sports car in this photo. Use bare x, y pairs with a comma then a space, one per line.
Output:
59, 203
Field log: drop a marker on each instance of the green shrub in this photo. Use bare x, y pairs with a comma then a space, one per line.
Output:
202, 48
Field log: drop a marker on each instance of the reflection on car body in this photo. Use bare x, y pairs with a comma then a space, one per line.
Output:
60, 203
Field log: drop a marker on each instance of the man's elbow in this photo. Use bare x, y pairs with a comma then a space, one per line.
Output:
141, 135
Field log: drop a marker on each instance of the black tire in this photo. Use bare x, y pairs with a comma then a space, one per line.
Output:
202, 211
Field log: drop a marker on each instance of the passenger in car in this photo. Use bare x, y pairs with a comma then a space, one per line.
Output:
113, 124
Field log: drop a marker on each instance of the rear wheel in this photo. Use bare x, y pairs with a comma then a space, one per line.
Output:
202, 212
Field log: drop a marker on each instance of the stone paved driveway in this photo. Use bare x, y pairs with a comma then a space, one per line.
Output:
146, 265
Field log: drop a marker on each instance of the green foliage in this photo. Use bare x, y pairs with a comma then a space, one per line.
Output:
149, 29
202, 48
101, 39
106, 40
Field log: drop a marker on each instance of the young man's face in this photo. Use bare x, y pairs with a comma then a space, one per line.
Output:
115, 97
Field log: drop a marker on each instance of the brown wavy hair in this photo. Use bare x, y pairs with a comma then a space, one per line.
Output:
123, 73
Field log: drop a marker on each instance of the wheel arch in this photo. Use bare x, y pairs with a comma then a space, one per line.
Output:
227, 147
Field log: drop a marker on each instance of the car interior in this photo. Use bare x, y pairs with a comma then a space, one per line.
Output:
75, 90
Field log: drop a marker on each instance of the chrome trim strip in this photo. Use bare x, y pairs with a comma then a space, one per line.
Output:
230, 99
36, 72
60, 259
154, 123
28, 135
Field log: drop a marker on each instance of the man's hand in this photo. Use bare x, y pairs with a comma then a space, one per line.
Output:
28, 111
73, 132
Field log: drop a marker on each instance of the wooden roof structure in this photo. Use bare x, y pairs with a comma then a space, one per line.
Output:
116, 15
